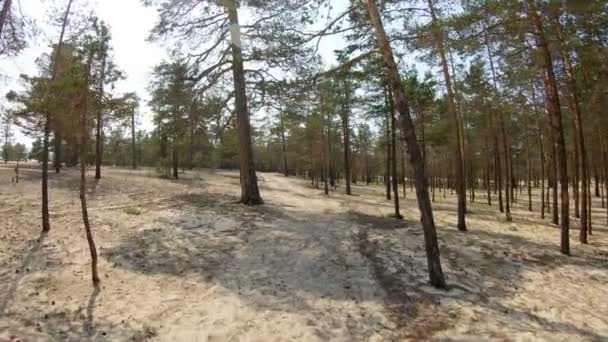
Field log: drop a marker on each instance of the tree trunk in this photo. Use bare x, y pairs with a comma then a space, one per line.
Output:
393, 158
407, 126
57, 147
501, 124
580, 151
387, 181
604, 151
46, 225
528, 164
99, 128
174, 161
284, 147
324, 146
346, 132
488, 165
460, 182
83, 195
250, 194
542, 154
554, 111
133, 149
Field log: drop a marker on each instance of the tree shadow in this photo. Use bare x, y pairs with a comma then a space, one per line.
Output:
11, 284
275, 259
483, 268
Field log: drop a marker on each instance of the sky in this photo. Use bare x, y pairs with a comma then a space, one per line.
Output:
130, 23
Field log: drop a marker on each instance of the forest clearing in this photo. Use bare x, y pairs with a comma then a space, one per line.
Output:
180, 260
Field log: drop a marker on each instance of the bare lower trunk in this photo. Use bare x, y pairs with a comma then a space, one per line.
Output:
98, 150
57, 155
554, 111
394, 157
133, 149
460, 181
46, 224
284, 147
174, 162
424, 204
542, 154
250, 194
346, 133
83, 195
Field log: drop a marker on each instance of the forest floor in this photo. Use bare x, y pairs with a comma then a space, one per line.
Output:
180, 261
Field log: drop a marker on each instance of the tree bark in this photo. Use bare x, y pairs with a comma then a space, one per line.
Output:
57, 148
581, 153
284, 145
542, 154
554, 111
133, 148
174, 161
250, 194
99, 128
346, 136
387, 181
501, 124
395, 180
407, 126
83, 195
460, 182
46, 225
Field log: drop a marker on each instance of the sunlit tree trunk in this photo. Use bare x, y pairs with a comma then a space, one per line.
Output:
84, 133
99, 127
460, 181
250, 194
407, 126
554, 111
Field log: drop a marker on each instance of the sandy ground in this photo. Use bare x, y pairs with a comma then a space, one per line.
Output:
180, 261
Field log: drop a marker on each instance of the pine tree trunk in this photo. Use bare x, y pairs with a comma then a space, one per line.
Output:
174, 161
250, 193
324, 146
487, 175
83, 195
508, 185
133, 149
501, 124
57, 148
394, 156
424, 205
580, 151
346, 136
460, 181
387, 180
542, 155
284, 146
99, 128
46, 225
554, 111
528, 165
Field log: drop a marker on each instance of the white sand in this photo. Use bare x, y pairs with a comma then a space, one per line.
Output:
179, 261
